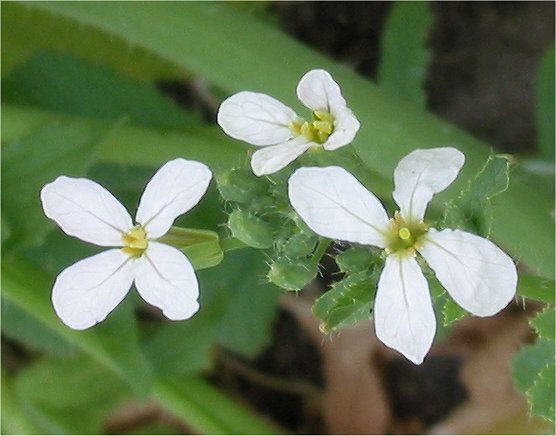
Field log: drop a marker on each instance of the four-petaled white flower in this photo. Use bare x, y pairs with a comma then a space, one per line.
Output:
263, 121
478, 275
86, 292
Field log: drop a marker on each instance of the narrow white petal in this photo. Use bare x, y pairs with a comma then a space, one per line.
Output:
345, 129
84, 209
335, 205
319, 92
404, 318
175, 188
479, 276
421, 174
87, 291
165, 278
268, 160
256, 118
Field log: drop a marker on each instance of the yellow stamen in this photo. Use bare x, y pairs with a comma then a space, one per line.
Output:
135, 241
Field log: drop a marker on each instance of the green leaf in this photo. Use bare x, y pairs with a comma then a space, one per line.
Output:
541, 395
473, 207
536, 288
113, 343
347, 302
65, 35
20, 326
530, 361
251, 304
544, 323
545, 105
65, 84
14, 419
29, 163
206, 409
70, 396
133, 145
404, 56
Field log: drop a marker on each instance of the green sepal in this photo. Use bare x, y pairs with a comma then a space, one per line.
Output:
292, 275
202, 247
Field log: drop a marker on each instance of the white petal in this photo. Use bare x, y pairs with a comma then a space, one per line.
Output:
84, 209
335, 205
421, 174
404, 318
175, 188
479, 276
345, 129
165, 278
318, 91
256, 118
86, 292
268, 160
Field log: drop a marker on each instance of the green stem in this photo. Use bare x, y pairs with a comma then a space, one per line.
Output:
321, 249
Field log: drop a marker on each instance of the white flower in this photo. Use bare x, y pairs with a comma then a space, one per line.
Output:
86, 292
263, 121
479, 276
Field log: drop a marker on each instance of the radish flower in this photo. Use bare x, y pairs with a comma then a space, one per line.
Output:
263, 121
478, 275
86, 292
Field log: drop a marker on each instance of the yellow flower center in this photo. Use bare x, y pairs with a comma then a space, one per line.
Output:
135, 241
406, 236
317, 130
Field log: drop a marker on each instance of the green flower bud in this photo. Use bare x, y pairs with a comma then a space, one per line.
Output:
250, 229
299, 245
202, 247
354, 259
240, 185
292, 275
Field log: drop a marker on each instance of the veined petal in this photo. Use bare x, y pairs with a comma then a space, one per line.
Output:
87, 291
175, 188
345, 129
478, 275
256, 118
335, 205
404, 318
165, 278
268, 160
318, 91
420, 175
86, 210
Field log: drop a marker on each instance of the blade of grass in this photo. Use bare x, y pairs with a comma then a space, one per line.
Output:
206, 409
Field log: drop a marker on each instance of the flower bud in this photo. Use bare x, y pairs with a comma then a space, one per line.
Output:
354, 259
292, 275
299, 245
240, 185
250, 229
